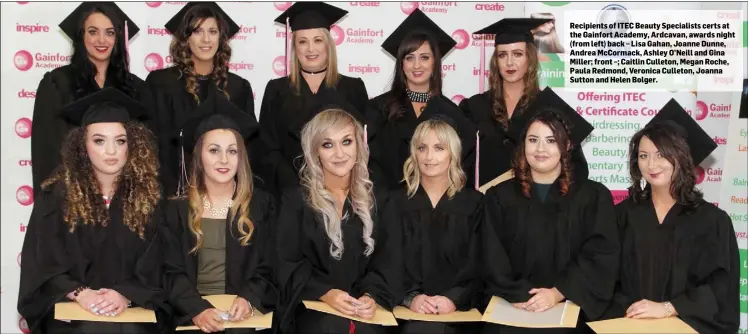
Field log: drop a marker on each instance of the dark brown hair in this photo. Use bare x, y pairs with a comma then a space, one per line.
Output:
397, 105
673, 147
496, 85
561, 129
137, 185
182, 55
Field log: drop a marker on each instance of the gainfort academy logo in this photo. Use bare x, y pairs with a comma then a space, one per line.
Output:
23, 60
701, 111
408, 6
699, 174
25, 195
23, 127
153, 61
427, 6
23, 326
458, 98
279, 66
282, 6
154, 4
462, 38
338, 36
712, 110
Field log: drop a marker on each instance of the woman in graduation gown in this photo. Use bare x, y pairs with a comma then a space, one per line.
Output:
679, 254
548, 236
513, 86
418, 46
99, 60
312, 70
218, 238
440, 216
201, 51
92, 235
336, 241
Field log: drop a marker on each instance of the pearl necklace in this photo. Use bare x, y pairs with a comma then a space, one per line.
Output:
217, 212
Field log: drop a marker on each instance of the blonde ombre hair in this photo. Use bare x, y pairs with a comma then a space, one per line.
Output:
331, 76
312, 178
242, 196
446, 135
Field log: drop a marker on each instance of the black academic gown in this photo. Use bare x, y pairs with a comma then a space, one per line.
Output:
173, 105
440, 252
390, 147
56, 262
281, 111
691, 260
49, 129
249, 269
497, 146
306, 270
568, 242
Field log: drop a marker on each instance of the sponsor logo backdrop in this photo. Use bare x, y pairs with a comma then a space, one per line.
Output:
32, 44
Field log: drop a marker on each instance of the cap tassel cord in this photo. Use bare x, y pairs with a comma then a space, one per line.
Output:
288, 44
127, 46
477, 160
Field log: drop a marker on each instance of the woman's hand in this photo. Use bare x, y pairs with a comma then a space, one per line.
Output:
443, 304
647, 309
341, 301
366, 308
112, 304
543, 299
88, 299
209, 321
422, 304
240, 309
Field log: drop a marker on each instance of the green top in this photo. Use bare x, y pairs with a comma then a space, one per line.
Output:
211, 259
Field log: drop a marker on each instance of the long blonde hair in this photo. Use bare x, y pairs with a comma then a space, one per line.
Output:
312, 179
331, 76
242, 196
446, 135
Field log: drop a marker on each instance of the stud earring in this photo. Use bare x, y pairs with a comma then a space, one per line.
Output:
643, 183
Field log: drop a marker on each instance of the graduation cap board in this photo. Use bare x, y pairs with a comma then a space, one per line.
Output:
417, 21
512, 30
217, 112
580, 128
71, 24
104, 106
175, 22
311, 15
443, 110
699, 142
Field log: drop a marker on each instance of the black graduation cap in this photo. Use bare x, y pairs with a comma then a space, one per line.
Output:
328, 99
104, 106
70, 25
512, 30
173, 25
442, 109
217, 112
311, 15
699, 142
580, 128
417, 21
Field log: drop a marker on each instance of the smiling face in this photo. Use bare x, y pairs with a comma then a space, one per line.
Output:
310, 47
106, 145
220, 156
512, 60
419, 66
541, 149
338, 151
99, 37
204, 40
433, 156
654, 167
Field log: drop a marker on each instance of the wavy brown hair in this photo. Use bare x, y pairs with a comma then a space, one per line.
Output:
137, 185
182, 55
496, 85
561, 128
242, 196
673, 147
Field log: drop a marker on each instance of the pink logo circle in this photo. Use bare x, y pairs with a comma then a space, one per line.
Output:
702, 110
23, 326
282, 6
279, 65
23, 60
19, 259
22, 2
153, 4
458, 98
462, 38
699, 174
337, 34
23, 127
25, 195
408, 6
153, 61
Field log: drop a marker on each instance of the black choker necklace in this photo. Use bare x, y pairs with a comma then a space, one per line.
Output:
418, 97
313, 73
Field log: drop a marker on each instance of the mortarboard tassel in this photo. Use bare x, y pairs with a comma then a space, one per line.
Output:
477, 160
351, 328
366, 136
481, 76
288, 44
127, 46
